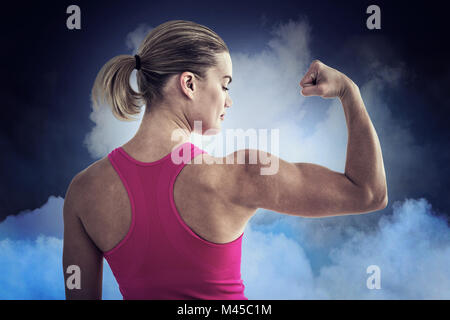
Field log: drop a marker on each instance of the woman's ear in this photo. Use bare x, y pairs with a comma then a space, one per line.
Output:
187, 83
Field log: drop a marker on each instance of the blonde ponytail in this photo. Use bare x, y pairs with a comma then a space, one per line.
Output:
112, 85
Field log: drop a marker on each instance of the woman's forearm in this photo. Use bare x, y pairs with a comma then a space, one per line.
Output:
364, 163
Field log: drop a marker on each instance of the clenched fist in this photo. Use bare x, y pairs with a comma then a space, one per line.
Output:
324, 81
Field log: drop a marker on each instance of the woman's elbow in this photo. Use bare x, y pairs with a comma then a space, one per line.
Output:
379, 200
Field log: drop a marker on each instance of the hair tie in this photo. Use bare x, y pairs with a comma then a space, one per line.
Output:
138, 62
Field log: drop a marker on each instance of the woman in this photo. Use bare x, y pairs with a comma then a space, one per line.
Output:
169, 233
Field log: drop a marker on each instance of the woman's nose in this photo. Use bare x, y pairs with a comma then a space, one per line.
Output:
228, 103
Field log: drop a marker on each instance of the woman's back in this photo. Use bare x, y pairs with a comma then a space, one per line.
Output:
200, 204
188, 242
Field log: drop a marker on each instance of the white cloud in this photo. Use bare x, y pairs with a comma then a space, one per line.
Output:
47, 220
31, 255
31, 269
274, 267
108, 132
411, 247
135, 37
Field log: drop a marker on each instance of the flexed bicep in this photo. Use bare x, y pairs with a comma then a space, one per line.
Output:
302, 189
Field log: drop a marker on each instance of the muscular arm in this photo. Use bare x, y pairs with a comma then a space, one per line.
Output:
78, 248
364, 164
311, 190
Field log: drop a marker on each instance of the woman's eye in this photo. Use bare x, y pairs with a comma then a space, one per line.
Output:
226, 89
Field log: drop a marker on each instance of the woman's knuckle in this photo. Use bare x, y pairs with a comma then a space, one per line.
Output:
321, 88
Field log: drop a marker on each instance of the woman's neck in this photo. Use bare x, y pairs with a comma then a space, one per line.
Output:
160, 131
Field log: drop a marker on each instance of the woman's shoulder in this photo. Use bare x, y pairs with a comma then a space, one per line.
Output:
88, 185
91, 174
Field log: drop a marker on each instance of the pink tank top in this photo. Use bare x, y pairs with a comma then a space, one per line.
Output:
161, 257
